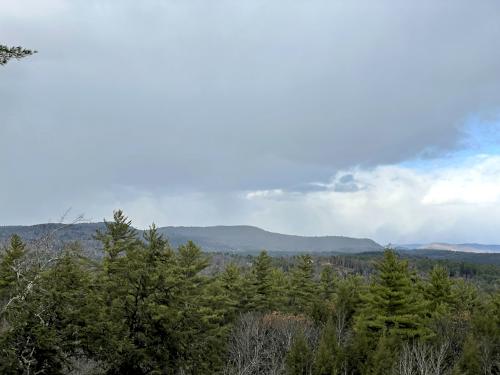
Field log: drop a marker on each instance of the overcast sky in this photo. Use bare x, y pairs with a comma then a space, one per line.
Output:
375, 118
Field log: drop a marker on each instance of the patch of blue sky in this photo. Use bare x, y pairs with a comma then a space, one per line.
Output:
478, 138
481, 136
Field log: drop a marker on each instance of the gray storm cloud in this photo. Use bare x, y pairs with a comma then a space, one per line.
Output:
195, 96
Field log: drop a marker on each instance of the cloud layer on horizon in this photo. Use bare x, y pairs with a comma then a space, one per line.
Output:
391, 204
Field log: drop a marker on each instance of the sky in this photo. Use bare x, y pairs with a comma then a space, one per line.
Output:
374, 119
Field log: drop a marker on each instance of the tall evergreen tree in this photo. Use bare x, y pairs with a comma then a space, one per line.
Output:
303, 288
161, 314
347, 299
481, 351
329, 357
381, 360
261, 283
280, 284
119, 236
299, 358
393, 305
233, 287
327, 283
9, 263
470, 359
465, 297
438, 291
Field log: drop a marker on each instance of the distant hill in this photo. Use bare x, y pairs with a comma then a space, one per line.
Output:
59, 233
464, 247
455, 256
248, 239
217, 238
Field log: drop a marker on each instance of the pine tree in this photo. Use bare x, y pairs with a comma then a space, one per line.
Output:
119, 236
347, 299
232, 285
329, 357
465, 297
131, 276
69, 287
200, 331
8, 53
438, 291
303, 288
381, 361
393, 305
299, 358
161, 314
470, 360
327, 283
9, 262
280, 284
481, 350
261, 283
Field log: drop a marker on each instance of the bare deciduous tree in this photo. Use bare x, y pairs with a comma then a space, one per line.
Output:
420, 358
259, 343
42, 253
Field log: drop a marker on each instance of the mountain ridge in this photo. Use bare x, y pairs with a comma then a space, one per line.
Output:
237, 238
468, 247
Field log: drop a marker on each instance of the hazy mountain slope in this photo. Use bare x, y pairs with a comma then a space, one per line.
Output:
217, 238
464, 247
248, 238
61, 232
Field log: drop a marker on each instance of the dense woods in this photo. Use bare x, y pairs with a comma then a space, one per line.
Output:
149, 308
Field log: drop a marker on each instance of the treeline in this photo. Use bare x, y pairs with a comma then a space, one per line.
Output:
485, 276
148, 308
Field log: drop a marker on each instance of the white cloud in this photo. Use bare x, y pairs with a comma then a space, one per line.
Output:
273, 193
396, 204
478, 183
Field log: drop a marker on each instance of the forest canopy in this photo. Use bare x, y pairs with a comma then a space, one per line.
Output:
149, 308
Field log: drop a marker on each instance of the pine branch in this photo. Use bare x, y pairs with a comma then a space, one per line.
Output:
7, 53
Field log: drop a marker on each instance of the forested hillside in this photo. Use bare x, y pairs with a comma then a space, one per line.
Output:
150, 308
235, 238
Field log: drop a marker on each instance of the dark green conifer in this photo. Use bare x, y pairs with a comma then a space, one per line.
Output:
381, 361
119, 236
393, 305
234, 288
327, 283
470, 360
9, 263
438, 291
299, 358
261, 283
329, 357
303, 291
